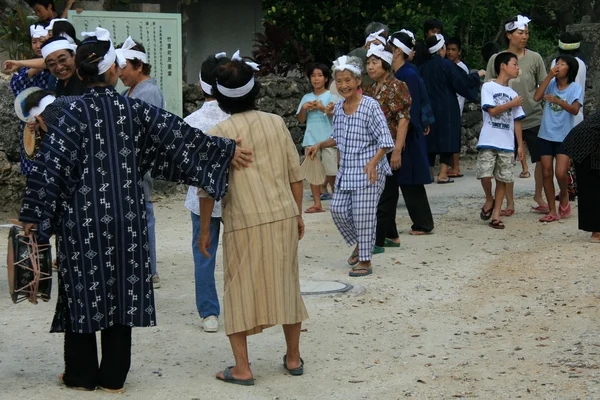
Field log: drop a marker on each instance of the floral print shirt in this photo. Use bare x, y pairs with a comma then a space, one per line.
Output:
394, 99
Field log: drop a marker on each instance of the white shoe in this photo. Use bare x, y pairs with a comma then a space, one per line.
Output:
210, 324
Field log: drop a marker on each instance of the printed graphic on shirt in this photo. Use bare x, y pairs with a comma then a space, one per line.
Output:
555, 107
502, 121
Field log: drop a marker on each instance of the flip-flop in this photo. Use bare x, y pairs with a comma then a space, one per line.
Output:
486, 215
454, 175
496, 224
354, 272
507, 212
294, 371
227, 377
61, 379
420, 233
354, 255
326, 196
594, 240
549, 218
541, 209
314, 210
390, 243
564, 212
525, 175
446, 181
378, 250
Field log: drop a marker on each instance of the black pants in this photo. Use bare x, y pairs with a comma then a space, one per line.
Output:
588, 192
81, 358
445, 158
417, 204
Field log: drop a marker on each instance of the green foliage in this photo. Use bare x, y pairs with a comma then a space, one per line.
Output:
14, 33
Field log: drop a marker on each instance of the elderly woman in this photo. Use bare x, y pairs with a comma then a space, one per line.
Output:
262, 225
583, 146
362, 135
134, 72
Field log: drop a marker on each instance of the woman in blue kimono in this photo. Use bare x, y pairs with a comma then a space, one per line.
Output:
443, 80
85, 188
414, 172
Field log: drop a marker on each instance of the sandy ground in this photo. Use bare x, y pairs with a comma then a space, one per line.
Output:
469, 312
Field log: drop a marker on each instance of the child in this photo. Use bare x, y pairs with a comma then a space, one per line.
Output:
316, 110
563, 101
502, 113
361, 132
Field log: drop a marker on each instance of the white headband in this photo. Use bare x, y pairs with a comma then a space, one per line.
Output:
44, 102
109, 58
376, 36
125, 53
378, 50
568, 46
341, 64
520, 23
62, 44
51, 25
205, 86
234, 93
396, 42
409, 33
236, 57
441, 42
37, 31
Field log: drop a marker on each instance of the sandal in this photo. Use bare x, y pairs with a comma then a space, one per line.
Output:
353, 260
486, 215
107, 390
549, 218
390, 243
448, 180
420, 233
313, 210
61, 379
357, 272
541, 209
525, 174
507, 212
496, 224
564, 212
294, 371
454, 175
326, 196
227, 377
378, 249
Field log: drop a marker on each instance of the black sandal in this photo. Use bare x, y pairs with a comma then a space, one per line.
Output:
496, 224
486, 215
353, 260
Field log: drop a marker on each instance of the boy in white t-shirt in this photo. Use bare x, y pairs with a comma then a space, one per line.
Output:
502, 114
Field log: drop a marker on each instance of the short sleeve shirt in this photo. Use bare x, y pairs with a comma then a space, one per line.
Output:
498, 132
394, 99
557, 122
318, 124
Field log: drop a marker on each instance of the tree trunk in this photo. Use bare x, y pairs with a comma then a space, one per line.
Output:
15, 4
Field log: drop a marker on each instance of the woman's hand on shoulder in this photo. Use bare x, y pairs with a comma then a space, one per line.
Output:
242, 158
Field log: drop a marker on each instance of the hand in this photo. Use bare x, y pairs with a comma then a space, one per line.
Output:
300, 228
319, 105
11, 66
520, 153
371, 171
204, 243
481, 73
427, 130
396, 159
517, 101
329, 109
551, 98
311, 151
242, 158
553, 72
29, 227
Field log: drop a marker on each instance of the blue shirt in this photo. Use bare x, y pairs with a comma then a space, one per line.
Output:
318, 125
556, 121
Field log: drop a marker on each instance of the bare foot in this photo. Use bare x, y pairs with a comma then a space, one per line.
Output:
237, 374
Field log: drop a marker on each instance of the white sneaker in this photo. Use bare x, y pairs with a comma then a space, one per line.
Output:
210, 324
156, 281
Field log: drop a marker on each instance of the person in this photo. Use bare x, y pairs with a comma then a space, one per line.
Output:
94, 203
29, 77
395, 102
582, 144
362, 135
45, 10
431, 27
414, 172
502, 114
532, 73
454, 54
262, 219
134, 72
375, 33
488, 50
209, 115
63, 27
562, 95
443, 81
315, 109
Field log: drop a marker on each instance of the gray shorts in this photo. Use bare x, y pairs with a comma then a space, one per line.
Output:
496, 164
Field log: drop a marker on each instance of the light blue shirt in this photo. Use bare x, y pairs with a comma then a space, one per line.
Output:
556, 121
318, 125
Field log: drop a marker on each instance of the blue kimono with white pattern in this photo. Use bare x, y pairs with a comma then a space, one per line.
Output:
86, 187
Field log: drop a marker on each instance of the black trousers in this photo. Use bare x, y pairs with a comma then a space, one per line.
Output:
81, 358
417, 204
588, 196
445, 158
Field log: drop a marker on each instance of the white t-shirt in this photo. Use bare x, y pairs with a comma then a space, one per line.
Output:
581, 74
461, 100
498, 132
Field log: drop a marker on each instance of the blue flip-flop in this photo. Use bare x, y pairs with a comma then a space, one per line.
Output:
446, 181
294, 371
227, 377
326, 196
355, 274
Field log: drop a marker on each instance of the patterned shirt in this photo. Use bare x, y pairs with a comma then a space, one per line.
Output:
394, 99
358, 137
209, 115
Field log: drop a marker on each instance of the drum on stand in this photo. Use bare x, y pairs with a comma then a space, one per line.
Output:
31, 142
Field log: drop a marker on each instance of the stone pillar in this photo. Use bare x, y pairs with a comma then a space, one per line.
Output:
590, 53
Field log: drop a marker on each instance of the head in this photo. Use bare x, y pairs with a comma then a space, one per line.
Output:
62, 28
376, 26
207, 73
34, 100
517, 32
319, 75
488, 50
569, 43
507, 63
135, 70
44, 9
401, 45
454, 49
60, 63
38, 36
235, 75
348, 80
90, 53
567, 66
436, 45
431, 27
379, 62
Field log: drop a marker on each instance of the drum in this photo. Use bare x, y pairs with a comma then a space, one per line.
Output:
29, 267
31, 142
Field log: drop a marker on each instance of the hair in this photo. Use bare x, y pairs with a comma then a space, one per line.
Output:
384, 64
567, 37
430, 42
506, 39
65, 27
503, 58
89, 54
34, 98
405, 39
56, 39
356, 62
136, 63
235, 74
207, 70
43, 3
323, 68
456, 41
430, 24
572, 64
488, 50
376, 26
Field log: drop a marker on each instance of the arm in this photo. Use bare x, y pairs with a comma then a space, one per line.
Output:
67, 8
519, 136
311, 151
539, 92
297, 192
12, 65
570, 108
495, 111
302, 113
206, 208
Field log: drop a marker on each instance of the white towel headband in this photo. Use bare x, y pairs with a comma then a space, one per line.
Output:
378, 50
396, 42
110, 56
207, 88
243, 90
62, 44
44, 102
441, 42
376, 36
341, 64
125, 53
569, 46
520, 23
37, 31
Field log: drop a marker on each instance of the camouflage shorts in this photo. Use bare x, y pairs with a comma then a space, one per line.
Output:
496, 164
